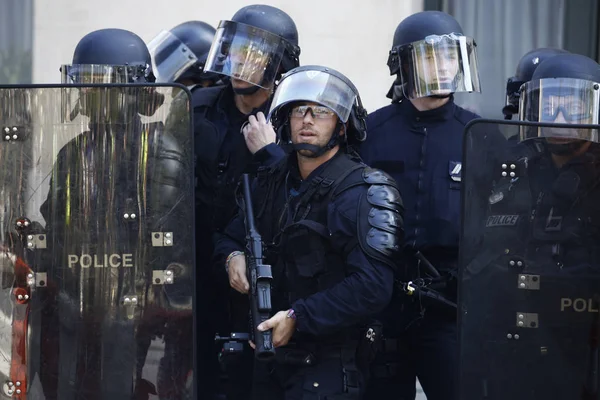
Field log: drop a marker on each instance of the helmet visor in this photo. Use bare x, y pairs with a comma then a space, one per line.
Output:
561, 101
246, 53
170, 57
86, 74
439, 65
315, 87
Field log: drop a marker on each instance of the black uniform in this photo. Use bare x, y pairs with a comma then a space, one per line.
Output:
329, 264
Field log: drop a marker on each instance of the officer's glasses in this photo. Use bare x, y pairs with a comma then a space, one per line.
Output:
572, 109
320, 112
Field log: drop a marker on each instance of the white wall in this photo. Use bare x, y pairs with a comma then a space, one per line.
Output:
352, 36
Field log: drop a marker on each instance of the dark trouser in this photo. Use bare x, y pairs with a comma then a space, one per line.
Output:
416, 347
333, 376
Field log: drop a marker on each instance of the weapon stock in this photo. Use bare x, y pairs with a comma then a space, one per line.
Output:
259, 278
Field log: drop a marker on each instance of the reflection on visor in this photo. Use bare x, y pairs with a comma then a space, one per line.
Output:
440, 65
559, 100
170, 56
572, 108
315, 87
435, 39
319, 112
246, 53
100, 74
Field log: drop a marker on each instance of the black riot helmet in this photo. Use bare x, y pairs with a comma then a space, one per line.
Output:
326, 87
433, 57
258, 44
563, 89
109, 56
180, 54
525, 69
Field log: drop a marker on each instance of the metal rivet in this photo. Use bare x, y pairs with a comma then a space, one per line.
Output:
167, 241
26, 297
513, 166
26, 223
520, 263
10, 384
316, 384
20, 297
7, 129
523, 277
132, 216
512, 263
521, 316
18, 383
15, 137
520, 323
125, 216
168, 234
7, 137
14, 128
509, 336
127, 300
169, 272
504, 166
517, 337
30, 237
512, 174
18, 391
169, 280
19, 223
134, 300
522, 285
30, 275
504, 173
29, 244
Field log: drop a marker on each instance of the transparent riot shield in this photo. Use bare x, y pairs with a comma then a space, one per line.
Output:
96, 239
529, 275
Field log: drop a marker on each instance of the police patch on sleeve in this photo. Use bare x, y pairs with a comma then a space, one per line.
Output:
454, 169
501, 220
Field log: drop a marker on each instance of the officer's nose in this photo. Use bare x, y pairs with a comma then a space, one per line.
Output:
308, 117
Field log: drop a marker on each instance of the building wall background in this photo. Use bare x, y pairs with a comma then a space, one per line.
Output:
352, 36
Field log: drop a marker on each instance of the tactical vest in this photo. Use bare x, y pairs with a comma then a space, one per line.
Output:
301, 245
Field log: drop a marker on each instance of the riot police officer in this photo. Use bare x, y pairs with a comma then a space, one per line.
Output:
538, 255
179, 55
113, 187
331, 227
418, 140
525, 69
252, 49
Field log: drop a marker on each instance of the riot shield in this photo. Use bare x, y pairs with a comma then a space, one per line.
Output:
97, 246
529, 274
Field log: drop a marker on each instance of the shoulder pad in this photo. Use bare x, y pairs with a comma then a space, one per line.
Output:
383, 192
380, 217
377, 176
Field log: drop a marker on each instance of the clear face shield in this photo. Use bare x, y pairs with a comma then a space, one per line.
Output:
314, 87
105, 103
560, 101
246, 53
170, 57
439, 65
